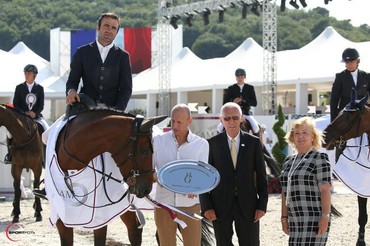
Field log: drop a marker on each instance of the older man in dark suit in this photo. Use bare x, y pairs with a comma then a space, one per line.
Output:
242, 193
105, 69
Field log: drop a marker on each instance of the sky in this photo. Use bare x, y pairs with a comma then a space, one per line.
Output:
355, 10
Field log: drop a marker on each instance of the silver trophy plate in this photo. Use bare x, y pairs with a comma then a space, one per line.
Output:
188, 177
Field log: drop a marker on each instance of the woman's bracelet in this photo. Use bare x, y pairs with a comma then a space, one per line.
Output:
284, 218
325, 215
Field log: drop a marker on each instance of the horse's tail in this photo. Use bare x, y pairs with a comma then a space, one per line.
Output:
335, 212
207, 233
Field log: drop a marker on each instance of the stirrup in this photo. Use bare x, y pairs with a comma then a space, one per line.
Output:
40, 193
7, 159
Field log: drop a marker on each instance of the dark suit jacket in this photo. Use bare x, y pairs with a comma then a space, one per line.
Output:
248, 96
342, 87
251, 196
20, 94
110, 82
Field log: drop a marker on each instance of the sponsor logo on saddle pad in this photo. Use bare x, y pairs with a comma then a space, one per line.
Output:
76, 194
188, 177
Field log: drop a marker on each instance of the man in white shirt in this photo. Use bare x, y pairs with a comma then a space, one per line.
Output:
178, 144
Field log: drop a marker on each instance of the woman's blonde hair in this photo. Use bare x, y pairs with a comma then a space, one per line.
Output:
307, 121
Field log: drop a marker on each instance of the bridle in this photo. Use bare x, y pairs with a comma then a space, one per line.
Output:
130, 179
339, 142
33, 135
136, 133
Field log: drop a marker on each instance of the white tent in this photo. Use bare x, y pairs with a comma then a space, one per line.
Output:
318, 61
308, 70
313, 65
190, 72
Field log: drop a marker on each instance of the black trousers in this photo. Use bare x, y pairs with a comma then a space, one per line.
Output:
246, 230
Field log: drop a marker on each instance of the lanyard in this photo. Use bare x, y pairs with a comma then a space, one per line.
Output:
290, 174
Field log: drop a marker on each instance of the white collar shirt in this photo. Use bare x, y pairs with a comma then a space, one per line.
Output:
237, 141
30, 86
104, 50
354, 76
166, 149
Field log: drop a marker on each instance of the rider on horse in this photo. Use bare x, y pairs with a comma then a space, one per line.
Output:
244, 95
28, 98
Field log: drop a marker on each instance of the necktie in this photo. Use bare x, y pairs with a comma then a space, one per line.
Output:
234, 154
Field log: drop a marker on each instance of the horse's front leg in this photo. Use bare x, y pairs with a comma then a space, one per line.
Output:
65, 234
100, 236
362, 220
134, 233
37, 204
16, 173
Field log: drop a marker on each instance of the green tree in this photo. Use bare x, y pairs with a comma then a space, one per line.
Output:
280, 146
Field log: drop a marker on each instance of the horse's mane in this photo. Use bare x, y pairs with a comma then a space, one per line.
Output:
108, 110
15, 110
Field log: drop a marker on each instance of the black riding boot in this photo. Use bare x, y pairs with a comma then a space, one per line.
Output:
361, 239
8, 157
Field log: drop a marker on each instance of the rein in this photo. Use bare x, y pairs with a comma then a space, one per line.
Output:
130, 179
132, 156
340, 142
19, 146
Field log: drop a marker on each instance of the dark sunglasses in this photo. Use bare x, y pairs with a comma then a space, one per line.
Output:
231, 117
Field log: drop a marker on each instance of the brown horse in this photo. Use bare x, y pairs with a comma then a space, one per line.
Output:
27, 151
96, 131
352, 121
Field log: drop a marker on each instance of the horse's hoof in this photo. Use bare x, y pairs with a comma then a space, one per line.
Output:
15, 219
38, 217
360, 243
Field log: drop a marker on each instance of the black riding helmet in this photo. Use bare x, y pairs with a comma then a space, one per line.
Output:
30, 68
240, 72
350, 54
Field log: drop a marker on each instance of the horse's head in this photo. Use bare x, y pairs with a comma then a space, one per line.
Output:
348, 124
138, 152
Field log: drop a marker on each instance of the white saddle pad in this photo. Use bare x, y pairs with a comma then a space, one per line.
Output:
94, 203
353, 166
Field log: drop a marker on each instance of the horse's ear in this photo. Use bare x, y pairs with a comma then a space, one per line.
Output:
150, 122
159, 119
